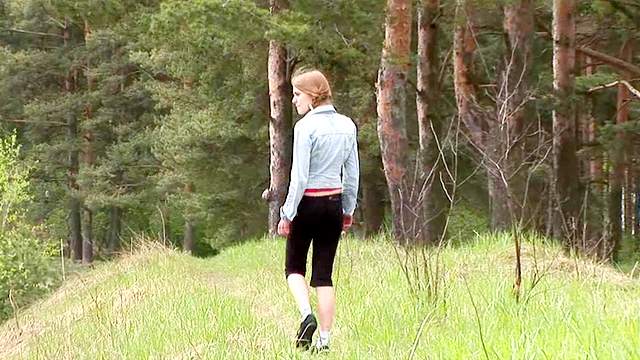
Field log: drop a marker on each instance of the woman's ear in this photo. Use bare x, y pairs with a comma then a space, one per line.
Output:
310, 107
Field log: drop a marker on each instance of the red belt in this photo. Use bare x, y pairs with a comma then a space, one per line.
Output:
320, 190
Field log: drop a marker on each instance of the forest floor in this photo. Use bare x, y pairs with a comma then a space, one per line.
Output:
457, 302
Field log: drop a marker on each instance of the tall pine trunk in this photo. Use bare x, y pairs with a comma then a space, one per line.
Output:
430, 123
594, 211
280, 124
566, 188
89, 156
464, 47
75, 205
391, 97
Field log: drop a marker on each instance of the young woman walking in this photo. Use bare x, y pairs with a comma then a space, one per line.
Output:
320, 202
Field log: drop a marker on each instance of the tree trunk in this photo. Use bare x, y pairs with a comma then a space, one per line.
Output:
189, 239
464, 47
501, 217
88, 161
280, 124
430, 125
566, 189
595, 162
391, 108
616, 180
165, 219
629, 201
115, 225
372, 195
75, 206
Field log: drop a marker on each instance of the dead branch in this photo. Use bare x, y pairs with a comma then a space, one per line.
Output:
633, 90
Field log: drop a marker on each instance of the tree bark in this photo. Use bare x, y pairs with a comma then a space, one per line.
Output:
595, 162
89, 157
565, 162
75, 206
464, 46
391, 108
434, 203
280, 124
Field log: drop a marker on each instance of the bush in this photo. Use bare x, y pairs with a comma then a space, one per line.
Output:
465, 223
26, 270
26, 264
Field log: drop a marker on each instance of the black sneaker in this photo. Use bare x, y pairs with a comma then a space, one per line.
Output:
320, 349
305, 332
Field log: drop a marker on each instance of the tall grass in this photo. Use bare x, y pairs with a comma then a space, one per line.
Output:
163, 304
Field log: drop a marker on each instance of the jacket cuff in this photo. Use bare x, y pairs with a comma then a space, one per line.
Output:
282, 215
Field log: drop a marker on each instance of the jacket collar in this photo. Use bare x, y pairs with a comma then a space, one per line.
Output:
322, 109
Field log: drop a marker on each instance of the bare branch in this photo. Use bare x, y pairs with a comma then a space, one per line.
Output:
633, 90
32, 32
36, 122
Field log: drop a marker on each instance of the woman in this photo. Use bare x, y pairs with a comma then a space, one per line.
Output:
320, 202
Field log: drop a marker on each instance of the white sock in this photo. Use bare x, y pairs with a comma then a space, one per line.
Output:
305, 310
324, 338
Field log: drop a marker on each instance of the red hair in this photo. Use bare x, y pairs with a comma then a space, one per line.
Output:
314, 84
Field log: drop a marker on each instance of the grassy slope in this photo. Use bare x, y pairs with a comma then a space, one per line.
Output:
162, 304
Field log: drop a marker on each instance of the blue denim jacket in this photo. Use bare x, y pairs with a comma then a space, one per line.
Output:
325, 155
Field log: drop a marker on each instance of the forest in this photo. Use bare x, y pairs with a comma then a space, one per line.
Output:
172, 120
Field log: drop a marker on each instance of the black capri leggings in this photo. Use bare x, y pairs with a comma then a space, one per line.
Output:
319, 221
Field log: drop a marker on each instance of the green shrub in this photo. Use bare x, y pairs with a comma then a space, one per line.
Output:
465, 223
26, 262
26, 270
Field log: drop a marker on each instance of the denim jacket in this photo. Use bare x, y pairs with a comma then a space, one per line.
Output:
325, 155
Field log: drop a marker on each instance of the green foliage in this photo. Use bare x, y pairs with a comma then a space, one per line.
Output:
13, 182
179, 96
586, 82
26, 269
466, 222
25, 260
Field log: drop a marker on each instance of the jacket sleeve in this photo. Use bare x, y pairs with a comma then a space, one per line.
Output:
299, 172
350, 180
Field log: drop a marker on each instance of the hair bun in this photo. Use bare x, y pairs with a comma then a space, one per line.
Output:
314, 84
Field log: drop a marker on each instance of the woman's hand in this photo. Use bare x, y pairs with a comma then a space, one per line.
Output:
284, 226
347, 221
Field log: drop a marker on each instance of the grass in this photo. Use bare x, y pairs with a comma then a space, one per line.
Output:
159, 303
